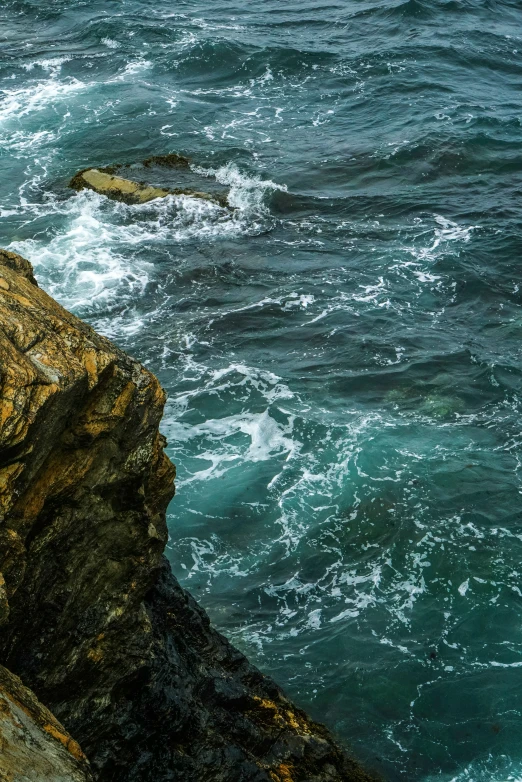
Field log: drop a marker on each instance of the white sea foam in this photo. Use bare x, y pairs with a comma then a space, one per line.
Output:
110, 43
446, 231
488, 768
132, 68
27, 141
20, 102
90, 263
83, 266
210, 557
264, 439
234, 439
246, 193
390, 581
52, 65
36, 96
204, 25
54, 91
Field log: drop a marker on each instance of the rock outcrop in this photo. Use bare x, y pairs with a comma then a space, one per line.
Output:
34, 747
91, 617
105, 182
116, 187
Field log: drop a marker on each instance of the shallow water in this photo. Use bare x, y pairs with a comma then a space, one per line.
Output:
341, 352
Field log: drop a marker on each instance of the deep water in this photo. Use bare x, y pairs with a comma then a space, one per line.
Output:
342, 352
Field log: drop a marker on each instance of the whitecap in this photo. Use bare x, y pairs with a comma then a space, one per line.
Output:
110, 43
246, 192
133, 67
264, 439
22, 101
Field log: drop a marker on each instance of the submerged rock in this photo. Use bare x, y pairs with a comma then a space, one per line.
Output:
91, 617
105, 182
432, 404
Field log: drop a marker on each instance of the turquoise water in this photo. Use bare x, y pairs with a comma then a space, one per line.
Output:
341, 353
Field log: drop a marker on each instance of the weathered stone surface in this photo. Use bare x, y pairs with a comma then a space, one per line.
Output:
18, 264
116, 187
104, 181
34, 746
93, 620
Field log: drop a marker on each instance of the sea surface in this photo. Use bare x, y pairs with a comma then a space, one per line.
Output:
341, 351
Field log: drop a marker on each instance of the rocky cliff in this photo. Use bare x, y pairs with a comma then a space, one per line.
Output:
91, 618
34, 746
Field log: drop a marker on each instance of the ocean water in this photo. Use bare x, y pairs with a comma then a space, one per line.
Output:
342, 351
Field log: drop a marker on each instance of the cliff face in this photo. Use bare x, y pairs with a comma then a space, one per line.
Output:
91, 617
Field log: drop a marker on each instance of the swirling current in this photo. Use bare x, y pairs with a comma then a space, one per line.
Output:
342, 351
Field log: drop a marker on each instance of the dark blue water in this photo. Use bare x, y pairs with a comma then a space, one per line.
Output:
342, 352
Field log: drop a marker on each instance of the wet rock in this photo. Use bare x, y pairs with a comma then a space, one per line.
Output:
167, 161
116, 187
92, 618
105, 182
34, 746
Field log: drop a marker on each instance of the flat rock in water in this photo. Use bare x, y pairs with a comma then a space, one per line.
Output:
116, 187
131, 192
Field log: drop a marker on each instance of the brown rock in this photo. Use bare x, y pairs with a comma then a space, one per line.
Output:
17, 264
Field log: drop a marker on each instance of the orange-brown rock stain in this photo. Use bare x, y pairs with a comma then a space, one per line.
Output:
283, 773
284, 717
70, 744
